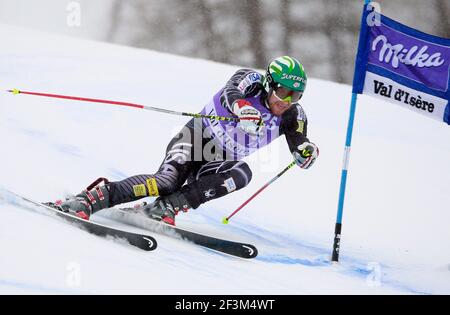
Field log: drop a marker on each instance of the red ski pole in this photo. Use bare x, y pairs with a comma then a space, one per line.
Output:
226, 220
95, 100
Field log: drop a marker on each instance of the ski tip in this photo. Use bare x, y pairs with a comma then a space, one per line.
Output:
251, 251
225, 221
151, 243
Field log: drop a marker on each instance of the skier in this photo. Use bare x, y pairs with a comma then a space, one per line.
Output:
204, 160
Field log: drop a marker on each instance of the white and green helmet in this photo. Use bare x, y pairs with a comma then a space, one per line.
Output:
287, 72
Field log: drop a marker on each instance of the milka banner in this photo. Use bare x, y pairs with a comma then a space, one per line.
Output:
404, 66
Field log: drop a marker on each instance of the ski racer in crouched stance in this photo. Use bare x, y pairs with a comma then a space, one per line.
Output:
204, 160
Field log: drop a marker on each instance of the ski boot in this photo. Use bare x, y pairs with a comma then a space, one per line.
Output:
165, 208
85, 203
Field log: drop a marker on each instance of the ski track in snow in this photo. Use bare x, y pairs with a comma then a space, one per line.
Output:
16, 287
269, 245
43, 137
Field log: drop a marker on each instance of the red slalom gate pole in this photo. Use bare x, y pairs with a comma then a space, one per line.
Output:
96, 100
226, 220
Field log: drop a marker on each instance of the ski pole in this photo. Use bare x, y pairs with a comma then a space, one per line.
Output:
226, 220
156, 109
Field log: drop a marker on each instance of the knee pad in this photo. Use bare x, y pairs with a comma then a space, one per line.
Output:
216, 185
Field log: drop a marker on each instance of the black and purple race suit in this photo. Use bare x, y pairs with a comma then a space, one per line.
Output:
204, 160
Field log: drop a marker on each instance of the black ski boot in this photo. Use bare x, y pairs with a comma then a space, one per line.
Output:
166, 208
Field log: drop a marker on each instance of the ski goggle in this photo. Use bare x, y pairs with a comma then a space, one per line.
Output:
286, 95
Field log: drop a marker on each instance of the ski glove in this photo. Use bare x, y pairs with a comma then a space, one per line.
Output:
306, 155
250, 119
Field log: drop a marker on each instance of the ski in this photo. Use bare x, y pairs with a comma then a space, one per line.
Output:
141, 241
136, 218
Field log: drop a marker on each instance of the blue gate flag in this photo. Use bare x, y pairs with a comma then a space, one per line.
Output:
404, 66
401, 65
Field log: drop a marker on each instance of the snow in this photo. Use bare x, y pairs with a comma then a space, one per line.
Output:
395, 226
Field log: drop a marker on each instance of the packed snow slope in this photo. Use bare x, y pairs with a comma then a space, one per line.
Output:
396, 235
